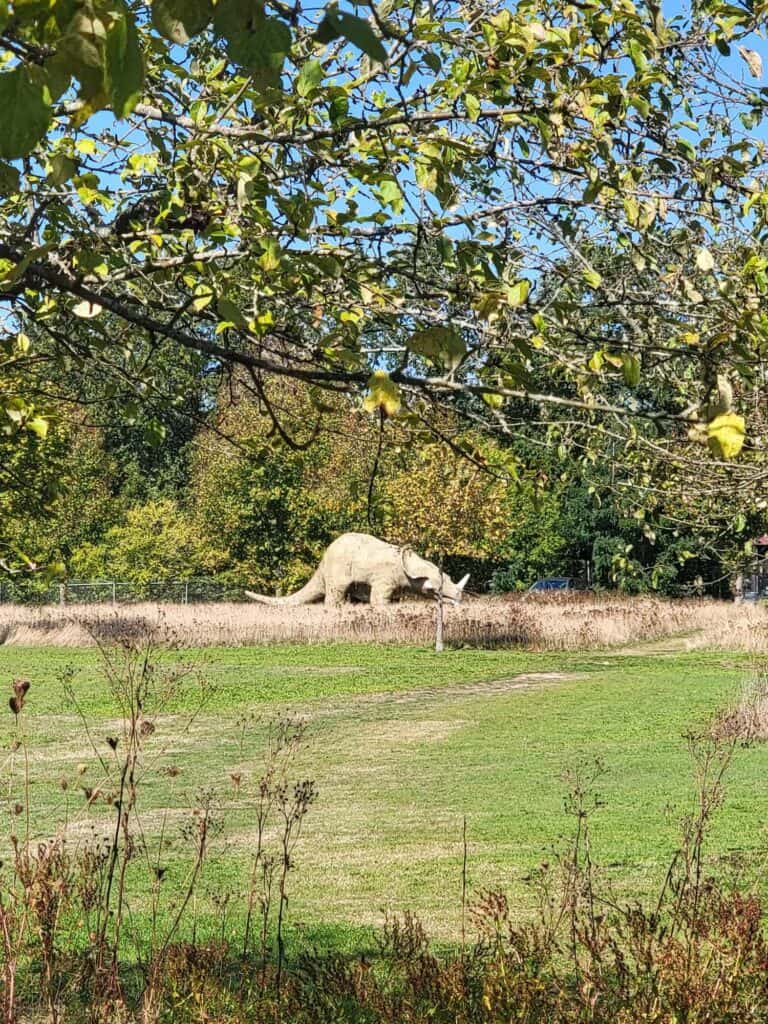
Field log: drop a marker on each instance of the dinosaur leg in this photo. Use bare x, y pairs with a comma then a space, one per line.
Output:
381, 595
334, 594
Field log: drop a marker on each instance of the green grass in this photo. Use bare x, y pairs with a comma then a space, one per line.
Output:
404, 745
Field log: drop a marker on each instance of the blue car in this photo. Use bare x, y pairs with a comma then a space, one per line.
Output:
557, 583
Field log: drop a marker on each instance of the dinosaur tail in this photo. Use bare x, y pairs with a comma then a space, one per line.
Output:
313, 590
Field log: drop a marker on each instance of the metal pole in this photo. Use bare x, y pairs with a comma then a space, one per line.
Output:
186, 592
62, 593
439, 620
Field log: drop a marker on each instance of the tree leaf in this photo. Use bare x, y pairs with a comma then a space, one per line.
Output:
24, 113
154, 433
439, 343
86, 310
492, 400
390, 193
180, 20
270, 257
255, 41
203, 296
355, 30
310, 76
38, 425
124, 63
229, 312
705, 260
725, 435
383, 394
753, 61
592, 277
630, 366
518, 292
10, 179
62, 169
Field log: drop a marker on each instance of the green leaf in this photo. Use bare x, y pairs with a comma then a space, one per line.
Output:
596, 362
630, 366
310, 76
62, 169
472, 104
154, 433
10, 179
255, 41
383, 394
203, 297
355, 30
389, 192
38, 425
517, 293
229, 312
124, 64
492, 400
439, 343
593, 279
25, 113
180, 20
725, 435
270, 257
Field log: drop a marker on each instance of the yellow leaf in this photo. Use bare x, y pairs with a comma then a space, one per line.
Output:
753, 61
517, 293
704, 260
383, 394
493, 400
203, 297
725, 435
86, 310
38, 425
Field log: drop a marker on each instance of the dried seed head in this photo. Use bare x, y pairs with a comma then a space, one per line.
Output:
82, 768
18, 808
63, 784
20, 687
112, 742
15, 705
237, 778
146, 728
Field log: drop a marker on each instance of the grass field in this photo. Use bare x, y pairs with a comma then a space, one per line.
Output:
403, 744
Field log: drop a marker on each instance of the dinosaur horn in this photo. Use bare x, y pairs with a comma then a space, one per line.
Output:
462, 582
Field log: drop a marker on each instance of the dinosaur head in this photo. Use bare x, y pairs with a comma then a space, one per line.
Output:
426, 578
451, 591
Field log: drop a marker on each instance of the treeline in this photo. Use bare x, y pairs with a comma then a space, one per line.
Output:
253, 495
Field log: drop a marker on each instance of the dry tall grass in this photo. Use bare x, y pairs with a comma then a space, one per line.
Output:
579, 622
746, 718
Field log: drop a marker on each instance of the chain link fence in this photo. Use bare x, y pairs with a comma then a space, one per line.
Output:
195, 591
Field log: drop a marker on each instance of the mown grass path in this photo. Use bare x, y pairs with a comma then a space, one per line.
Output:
404, 744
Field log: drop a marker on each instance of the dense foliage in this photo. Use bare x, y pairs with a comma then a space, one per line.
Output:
246, 508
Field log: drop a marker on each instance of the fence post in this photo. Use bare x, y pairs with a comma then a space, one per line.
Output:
186, 592
62, 593
114, 592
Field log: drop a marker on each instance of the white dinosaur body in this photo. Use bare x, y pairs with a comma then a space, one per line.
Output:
359, 560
